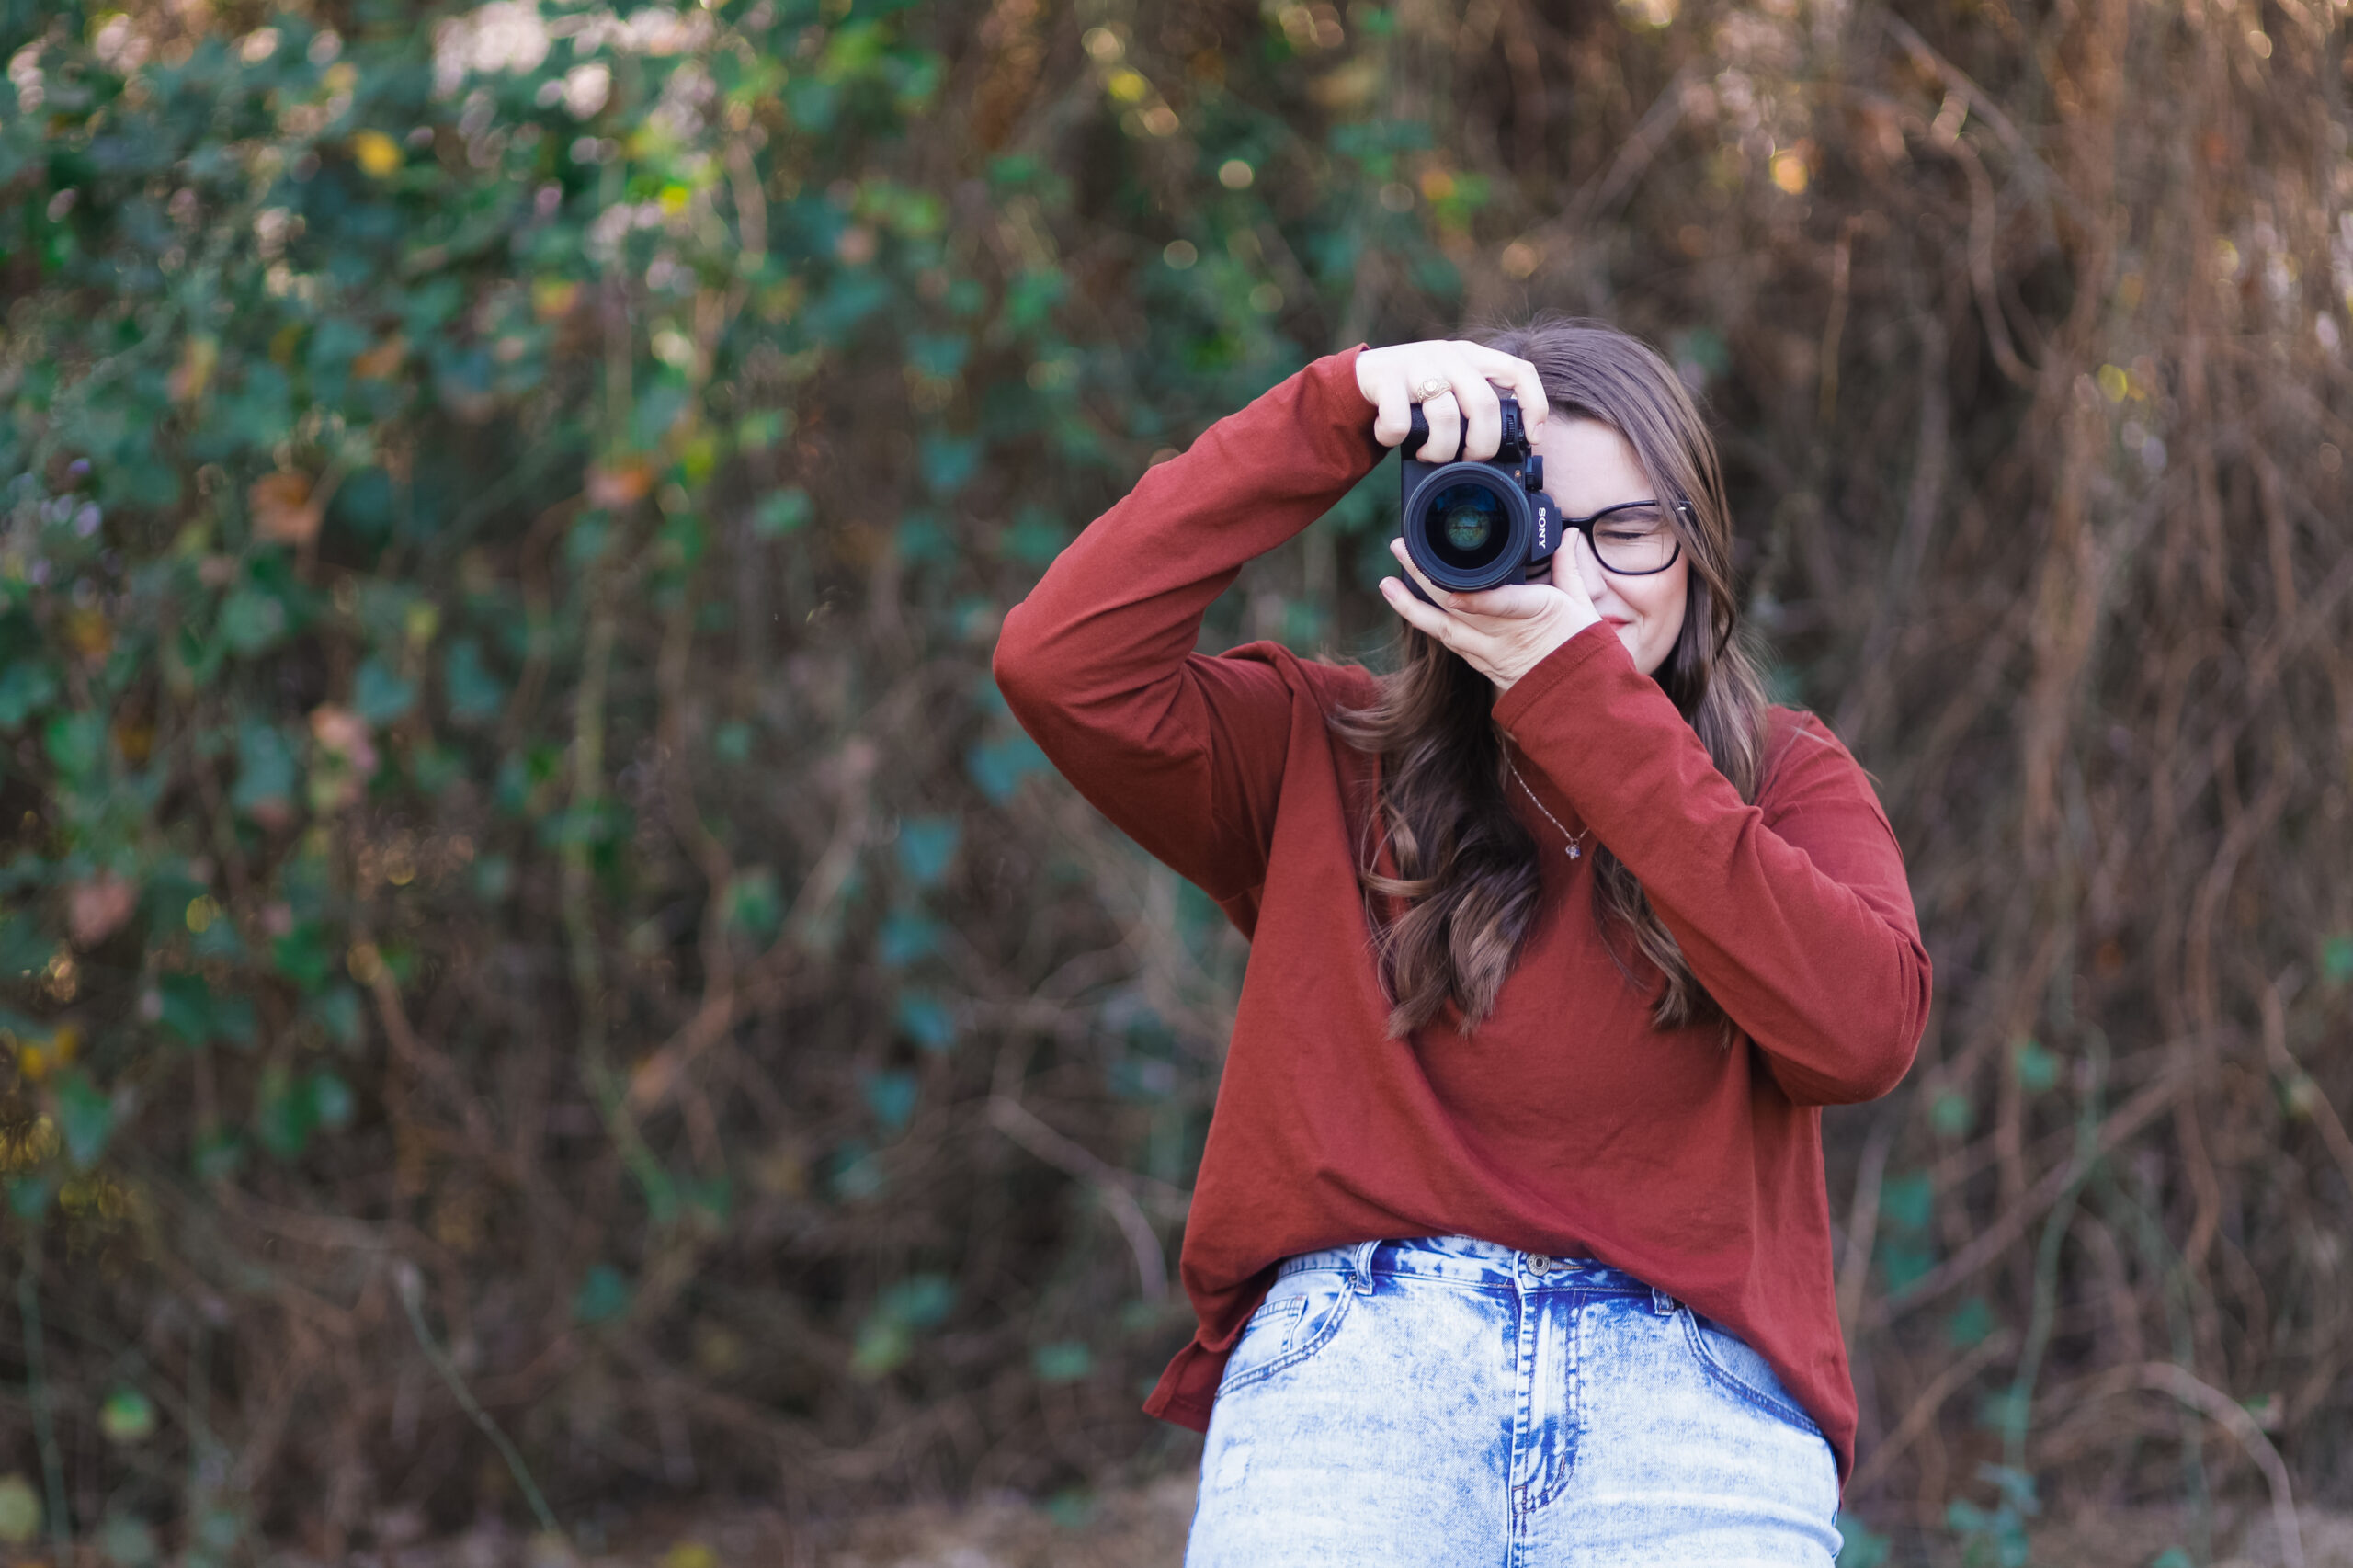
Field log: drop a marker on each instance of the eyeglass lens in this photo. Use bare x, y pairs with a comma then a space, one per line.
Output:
1634, 540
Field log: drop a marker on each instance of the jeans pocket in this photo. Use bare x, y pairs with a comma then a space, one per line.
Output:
1734, 1366
1298, 1318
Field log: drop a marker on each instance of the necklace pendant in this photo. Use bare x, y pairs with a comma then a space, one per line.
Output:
1574, 852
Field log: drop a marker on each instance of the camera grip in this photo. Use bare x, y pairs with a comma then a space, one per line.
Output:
1514, 439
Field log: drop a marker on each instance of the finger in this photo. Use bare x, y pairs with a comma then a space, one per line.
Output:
1573, 565
1528, 386
1444, 418
1394, 421
1416, 614
1406, 560
1484, 418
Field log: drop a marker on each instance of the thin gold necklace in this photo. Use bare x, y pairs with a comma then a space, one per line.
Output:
1575, 839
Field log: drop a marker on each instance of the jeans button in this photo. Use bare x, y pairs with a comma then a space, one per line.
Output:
1539, 1264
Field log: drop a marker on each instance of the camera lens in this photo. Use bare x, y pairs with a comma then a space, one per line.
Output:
1467, 526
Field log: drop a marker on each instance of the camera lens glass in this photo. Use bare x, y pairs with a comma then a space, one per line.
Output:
1467, 526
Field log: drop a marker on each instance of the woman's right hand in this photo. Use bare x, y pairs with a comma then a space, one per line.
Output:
1392, 379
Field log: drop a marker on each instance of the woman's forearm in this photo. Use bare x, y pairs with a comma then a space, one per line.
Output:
1794, 913
1098, 661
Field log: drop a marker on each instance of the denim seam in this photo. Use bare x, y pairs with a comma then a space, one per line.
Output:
1737, 1385
1526, 1354
1297, 1353
1573, 1418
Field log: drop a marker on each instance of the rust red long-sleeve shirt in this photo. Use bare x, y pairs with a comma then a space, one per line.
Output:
1564, 1123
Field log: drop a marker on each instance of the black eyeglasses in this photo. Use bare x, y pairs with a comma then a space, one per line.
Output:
1634, 539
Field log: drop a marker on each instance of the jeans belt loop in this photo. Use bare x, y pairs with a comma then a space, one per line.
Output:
1662, 1304
1364, 1267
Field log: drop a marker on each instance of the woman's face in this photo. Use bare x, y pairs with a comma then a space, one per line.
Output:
1589, 466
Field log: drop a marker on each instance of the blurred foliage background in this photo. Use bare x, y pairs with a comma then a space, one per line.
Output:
537, 973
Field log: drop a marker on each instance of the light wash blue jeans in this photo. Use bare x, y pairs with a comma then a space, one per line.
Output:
1445, 1400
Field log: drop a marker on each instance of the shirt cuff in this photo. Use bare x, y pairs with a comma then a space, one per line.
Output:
1597, 641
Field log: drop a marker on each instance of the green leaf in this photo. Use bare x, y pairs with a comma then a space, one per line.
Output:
882, 1347
286, 1111
2336, 957
1969, 1324
925, 847
924, 1019
1863, 1547
603, 1296
920, 1300
77, 745
252, 620
26, 687
924, 537
267, 777
476, 695
754, 903
948, 462
305, 955
1906, 1201
1901, 1263
1703, 348
218, 1155
762, 429
23, 945
2002, 1409
892, 1098
379, 695
1065, 1361
998, 766
127, 1417
332, 1098
85, 1115
338, 1011
2038, 1068
907, 935
942, 354
853, 1174
715, 1196
1034, 537
187, 1007
233, 1020
28, 1195
1031, 297
1952, 1114
779, 512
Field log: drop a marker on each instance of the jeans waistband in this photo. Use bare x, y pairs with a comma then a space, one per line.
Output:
1467, 1260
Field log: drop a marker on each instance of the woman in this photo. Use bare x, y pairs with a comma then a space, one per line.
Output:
1510, 1241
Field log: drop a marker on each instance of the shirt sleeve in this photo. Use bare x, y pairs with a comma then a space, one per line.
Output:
1182, 751
1794, 913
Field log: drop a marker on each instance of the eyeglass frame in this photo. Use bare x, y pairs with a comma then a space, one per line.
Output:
1584, 527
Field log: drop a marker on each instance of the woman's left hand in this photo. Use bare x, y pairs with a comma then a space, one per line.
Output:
1503, 632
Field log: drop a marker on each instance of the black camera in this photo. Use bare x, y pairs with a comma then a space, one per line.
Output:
1476, 525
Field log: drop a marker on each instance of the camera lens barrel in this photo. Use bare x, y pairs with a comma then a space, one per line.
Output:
1471, 525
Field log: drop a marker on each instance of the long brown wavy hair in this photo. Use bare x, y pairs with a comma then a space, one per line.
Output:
1466, 868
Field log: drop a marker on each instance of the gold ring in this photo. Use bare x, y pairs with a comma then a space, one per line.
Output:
1433, 387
